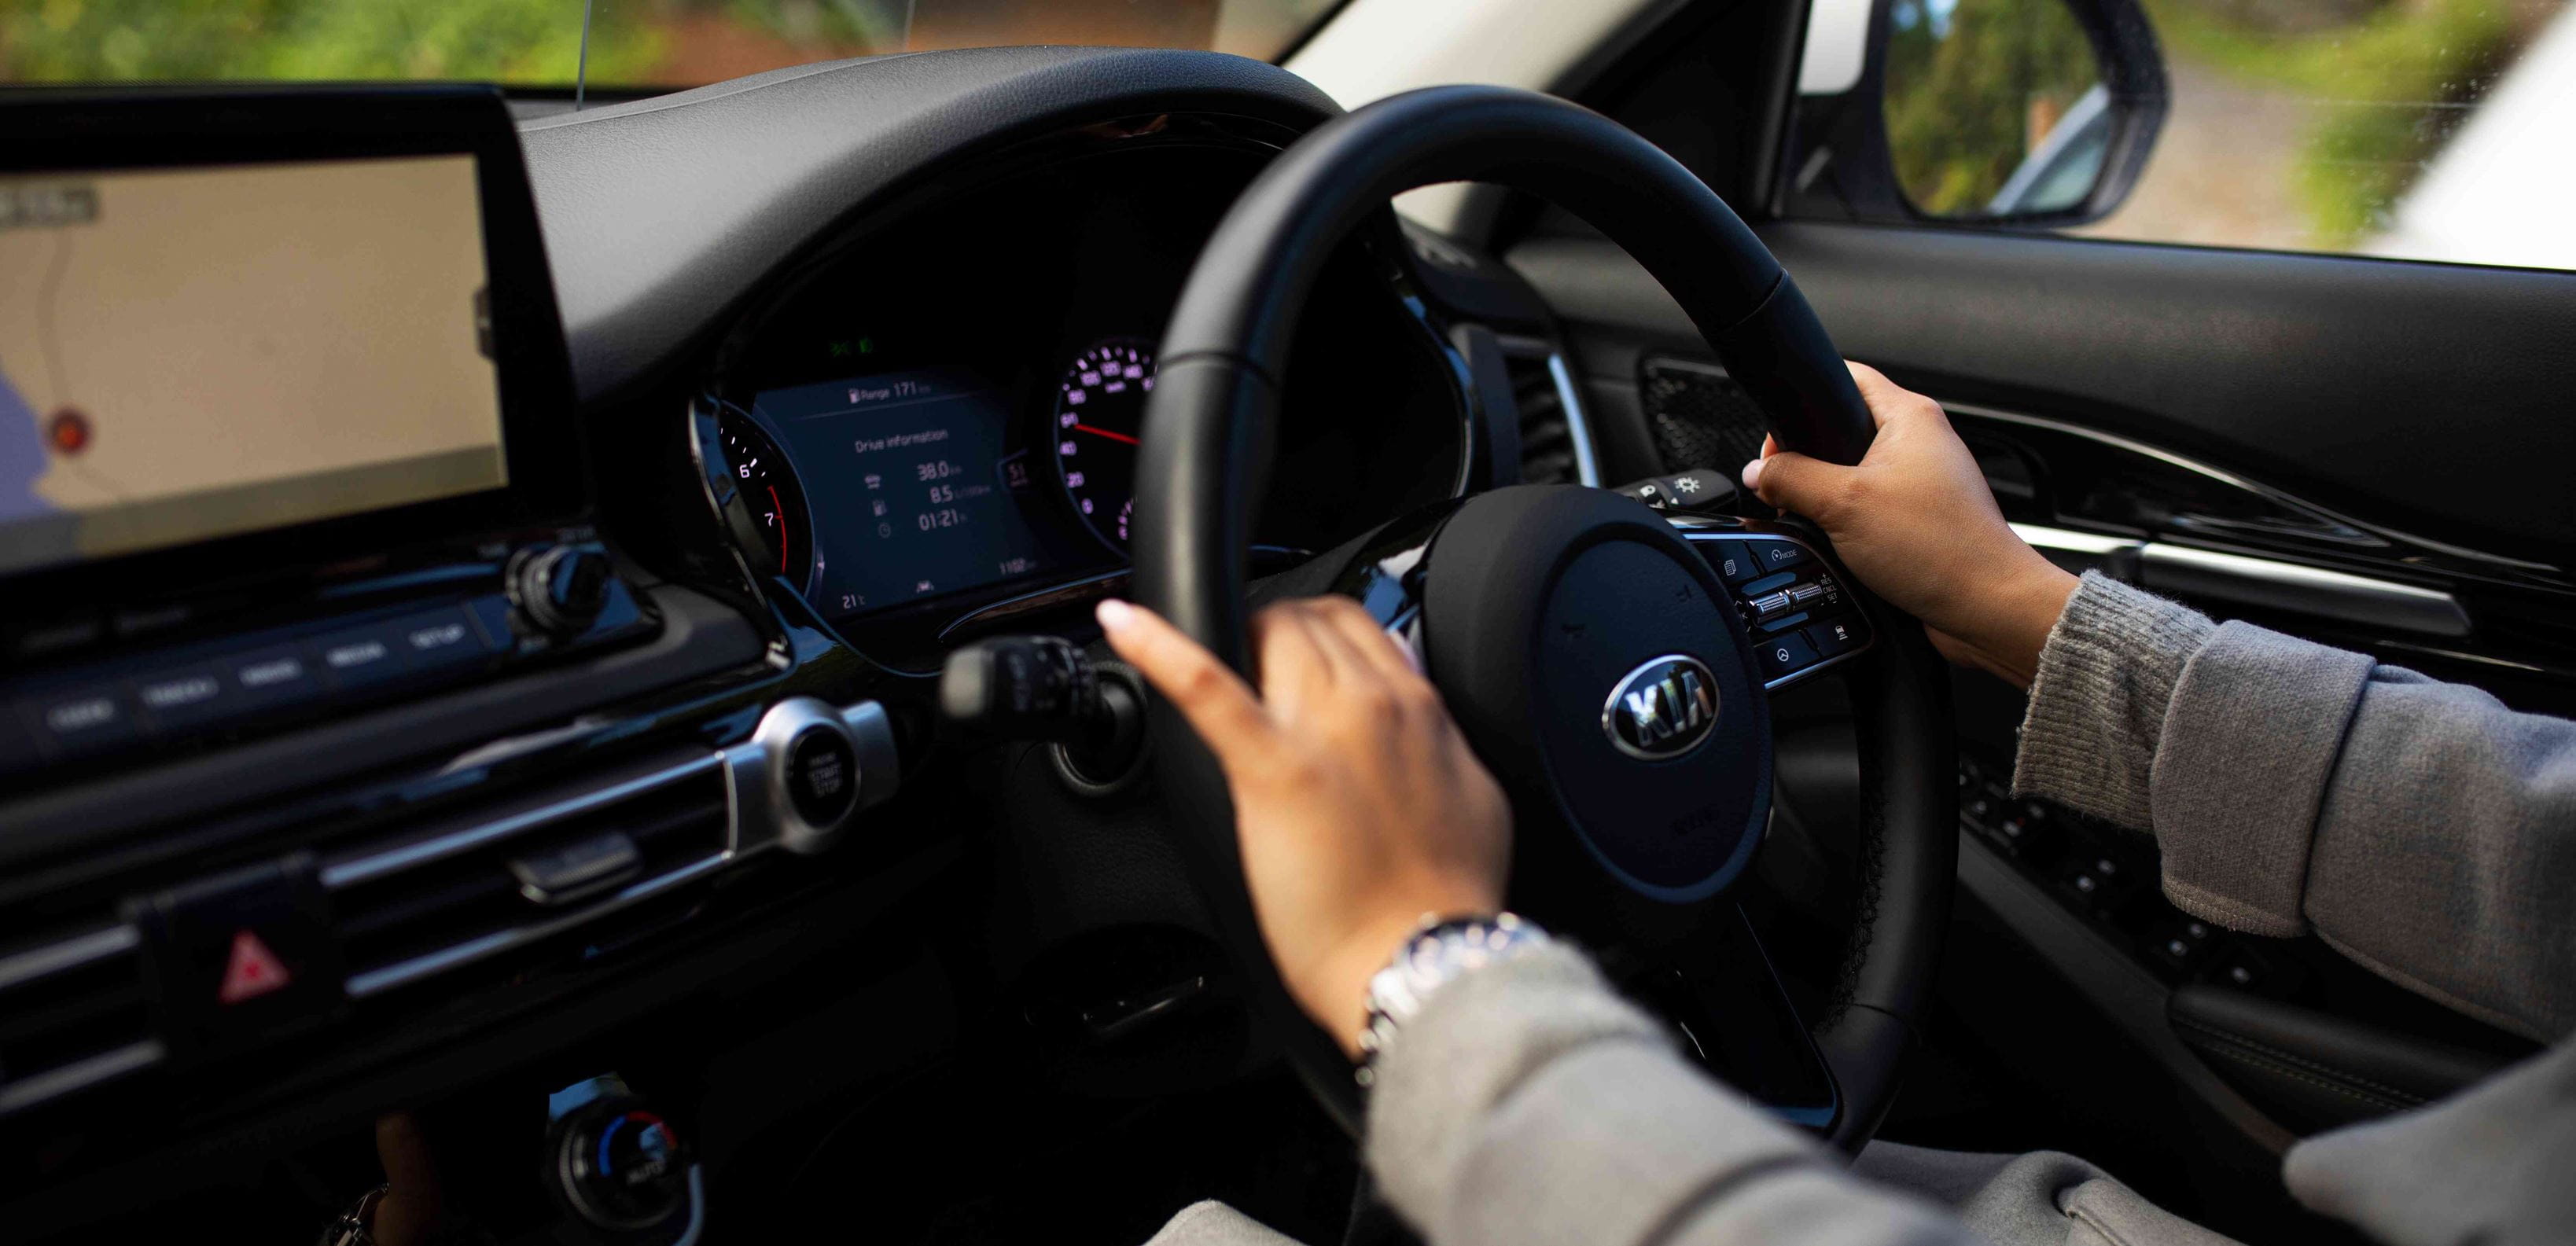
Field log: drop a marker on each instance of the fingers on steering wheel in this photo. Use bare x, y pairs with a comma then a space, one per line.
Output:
1219, 705
1384, 657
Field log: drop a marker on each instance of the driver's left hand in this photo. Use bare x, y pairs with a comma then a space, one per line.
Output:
1359, 806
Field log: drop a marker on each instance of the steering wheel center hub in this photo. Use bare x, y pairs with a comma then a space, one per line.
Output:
1592, 655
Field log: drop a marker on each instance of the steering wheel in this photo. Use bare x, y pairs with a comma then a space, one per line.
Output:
1530, 602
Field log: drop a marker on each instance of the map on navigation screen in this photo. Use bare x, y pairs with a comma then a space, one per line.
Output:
189, 353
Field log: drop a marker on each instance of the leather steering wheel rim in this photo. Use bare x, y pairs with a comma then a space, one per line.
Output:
1208, 436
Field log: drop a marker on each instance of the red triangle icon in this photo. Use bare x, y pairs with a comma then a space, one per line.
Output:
254, 970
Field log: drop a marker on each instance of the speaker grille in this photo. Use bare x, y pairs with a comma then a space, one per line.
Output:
1699, 416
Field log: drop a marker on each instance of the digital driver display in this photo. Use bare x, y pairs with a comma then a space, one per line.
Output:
914, 485
196, 352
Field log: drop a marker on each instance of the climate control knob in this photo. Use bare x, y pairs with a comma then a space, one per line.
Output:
620, 1166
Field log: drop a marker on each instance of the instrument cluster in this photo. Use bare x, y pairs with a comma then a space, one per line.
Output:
944, 415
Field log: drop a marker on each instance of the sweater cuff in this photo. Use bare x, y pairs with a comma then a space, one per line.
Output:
2098, 704
1528, 1101
1476, 1040
2257, 721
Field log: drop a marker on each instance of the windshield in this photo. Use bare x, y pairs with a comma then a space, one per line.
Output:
632, 45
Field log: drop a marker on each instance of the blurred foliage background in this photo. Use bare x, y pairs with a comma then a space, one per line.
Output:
2331, 107
2398, 75
538, 42
1972, 87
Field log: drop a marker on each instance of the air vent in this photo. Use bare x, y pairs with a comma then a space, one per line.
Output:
1556, 441
1700, 416
449, 895
73, 1013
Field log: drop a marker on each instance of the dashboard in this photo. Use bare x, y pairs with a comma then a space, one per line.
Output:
585, 736
942, 414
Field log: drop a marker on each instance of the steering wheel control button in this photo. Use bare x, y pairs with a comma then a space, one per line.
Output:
1735, 564
1833, 637
1778, 555
822, 775
1784, 654
1663, 709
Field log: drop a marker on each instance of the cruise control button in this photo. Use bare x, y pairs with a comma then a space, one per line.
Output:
361, 655
1833, 636
1785, 653
1778, 555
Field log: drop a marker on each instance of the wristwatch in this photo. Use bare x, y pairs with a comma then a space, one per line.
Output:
1440, 951
356, 1226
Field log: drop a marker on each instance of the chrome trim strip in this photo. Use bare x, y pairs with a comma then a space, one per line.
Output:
360, 869
1578, 428
79, 1075
2248, 580
2070, 541
2307, 590
377, 981
71, 953
2231, 479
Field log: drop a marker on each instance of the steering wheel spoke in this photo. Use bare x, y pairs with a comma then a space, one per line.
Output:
1731, 1012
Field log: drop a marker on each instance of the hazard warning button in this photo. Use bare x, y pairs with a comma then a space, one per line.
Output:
241, 957
253, 970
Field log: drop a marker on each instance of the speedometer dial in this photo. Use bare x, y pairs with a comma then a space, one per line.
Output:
770, 496
1099, 411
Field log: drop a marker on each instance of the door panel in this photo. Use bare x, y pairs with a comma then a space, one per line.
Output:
2371, 454
2430, 398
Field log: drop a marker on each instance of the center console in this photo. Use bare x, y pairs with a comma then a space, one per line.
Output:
283, 425
331, 730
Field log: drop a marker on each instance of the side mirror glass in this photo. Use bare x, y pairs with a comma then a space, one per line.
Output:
2015, 112
1994, 108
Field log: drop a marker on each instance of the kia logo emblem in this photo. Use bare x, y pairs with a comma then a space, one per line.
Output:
1662, 709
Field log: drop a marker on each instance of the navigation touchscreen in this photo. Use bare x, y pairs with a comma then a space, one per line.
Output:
196, 352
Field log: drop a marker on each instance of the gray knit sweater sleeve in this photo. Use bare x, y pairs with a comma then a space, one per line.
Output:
1528, 1103
2423, 828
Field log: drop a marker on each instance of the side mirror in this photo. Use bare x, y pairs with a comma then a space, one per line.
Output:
2023, 113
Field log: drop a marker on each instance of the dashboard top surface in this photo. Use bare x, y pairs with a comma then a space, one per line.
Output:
661, 216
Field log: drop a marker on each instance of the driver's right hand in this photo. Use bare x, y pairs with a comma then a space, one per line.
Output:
1358, 805
1917, 523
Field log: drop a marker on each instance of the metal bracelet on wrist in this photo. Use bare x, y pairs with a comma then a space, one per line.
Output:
356, 1226
1440, 951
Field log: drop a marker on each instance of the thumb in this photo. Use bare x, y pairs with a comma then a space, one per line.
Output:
1794, 482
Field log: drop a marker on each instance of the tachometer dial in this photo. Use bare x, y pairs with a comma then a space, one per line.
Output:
1099, 410
773, 501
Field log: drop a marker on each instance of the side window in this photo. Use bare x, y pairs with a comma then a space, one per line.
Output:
2413, 129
